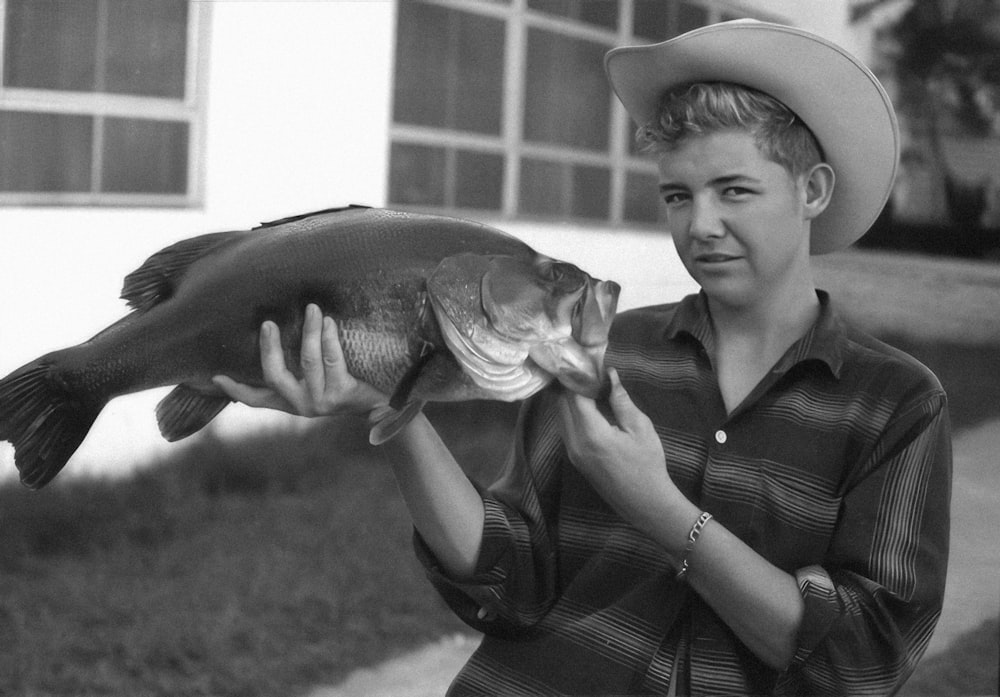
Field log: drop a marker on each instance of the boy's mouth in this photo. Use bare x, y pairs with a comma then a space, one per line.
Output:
715, 258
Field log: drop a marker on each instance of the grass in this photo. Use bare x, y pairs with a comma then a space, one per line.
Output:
260, 567
271, 565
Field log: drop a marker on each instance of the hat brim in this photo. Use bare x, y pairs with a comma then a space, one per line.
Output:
839, 98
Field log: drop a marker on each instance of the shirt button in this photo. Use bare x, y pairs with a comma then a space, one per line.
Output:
720, 436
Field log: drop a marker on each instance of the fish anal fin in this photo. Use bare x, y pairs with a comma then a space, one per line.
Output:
186, 410
391, 421
155, 280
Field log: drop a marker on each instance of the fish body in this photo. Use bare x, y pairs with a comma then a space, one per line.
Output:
413, 296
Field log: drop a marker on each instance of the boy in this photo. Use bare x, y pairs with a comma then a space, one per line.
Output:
766, 510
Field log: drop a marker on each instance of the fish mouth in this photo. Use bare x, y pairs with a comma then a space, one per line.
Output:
578, 364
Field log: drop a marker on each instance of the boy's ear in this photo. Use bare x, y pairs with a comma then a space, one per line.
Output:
819, 182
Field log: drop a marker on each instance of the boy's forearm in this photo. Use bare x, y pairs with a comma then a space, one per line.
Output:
760, 603
445, 507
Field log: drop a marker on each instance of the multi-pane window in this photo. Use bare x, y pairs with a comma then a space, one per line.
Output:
501, 107
100, 102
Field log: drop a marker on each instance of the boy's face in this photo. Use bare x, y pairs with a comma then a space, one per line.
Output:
738, 219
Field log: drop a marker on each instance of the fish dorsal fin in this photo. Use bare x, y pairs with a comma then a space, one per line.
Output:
187, 410
303, 216
155, 280
392, 421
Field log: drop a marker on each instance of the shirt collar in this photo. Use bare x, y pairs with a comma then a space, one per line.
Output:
823, 342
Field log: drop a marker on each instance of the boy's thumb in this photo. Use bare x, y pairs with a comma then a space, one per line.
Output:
621, 403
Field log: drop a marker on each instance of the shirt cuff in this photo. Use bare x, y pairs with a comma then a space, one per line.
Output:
822, 608
483, 586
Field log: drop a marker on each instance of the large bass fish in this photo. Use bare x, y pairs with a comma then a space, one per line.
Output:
429, 309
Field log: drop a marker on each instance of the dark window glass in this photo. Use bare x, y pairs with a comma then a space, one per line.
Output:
449, 69
591, 192
690, 16
147, 42
642, 200
51, 44
602, 13
563, 189
567, 98
651, 20
417, 176
45, 152
147, 156
543, 187
478, 180
657, 20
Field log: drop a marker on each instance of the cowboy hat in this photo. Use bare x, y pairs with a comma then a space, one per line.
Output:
837, 97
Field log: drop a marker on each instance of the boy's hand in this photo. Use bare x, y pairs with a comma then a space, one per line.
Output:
326, 387
624, 460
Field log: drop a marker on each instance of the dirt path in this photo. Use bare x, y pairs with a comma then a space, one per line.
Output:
970, 597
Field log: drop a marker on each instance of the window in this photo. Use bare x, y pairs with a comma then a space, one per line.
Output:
501, 107
100, 102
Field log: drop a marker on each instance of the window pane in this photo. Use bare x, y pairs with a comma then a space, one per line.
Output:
603, 13
690, 16
147, 45
560, 189
479, 180
642, 200
567, 99
50, 45
45, 152
145, 156
417, 176
657, 20
449, 69
651, 20
591, 192
543, 187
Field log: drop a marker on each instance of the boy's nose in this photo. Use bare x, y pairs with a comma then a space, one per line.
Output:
706, 222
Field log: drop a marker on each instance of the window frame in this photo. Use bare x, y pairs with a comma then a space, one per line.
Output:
511, 143
100, 105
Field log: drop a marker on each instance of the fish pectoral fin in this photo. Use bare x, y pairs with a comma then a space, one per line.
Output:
186, 410
392, 422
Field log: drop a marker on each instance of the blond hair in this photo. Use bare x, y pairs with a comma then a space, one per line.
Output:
708, 107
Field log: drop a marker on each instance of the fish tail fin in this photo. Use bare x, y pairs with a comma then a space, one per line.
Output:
43, 420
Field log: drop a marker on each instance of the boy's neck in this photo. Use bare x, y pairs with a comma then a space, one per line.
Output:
774, 320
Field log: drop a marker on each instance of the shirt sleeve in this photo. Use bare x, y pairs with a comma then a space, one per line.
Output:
871, 609
514, 583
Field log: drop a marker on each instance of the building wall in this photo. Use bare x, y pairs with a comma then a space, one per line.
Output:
297, 120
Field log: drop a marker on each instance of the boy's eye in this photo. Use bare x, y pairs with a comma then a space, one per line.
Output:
672, 198
735, 191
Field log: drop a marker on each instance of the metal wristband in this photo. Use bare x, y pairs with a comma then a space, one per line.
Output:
693, 536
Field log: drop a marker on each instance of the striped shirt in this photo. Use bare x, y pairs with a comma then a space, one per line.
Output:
836, 468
